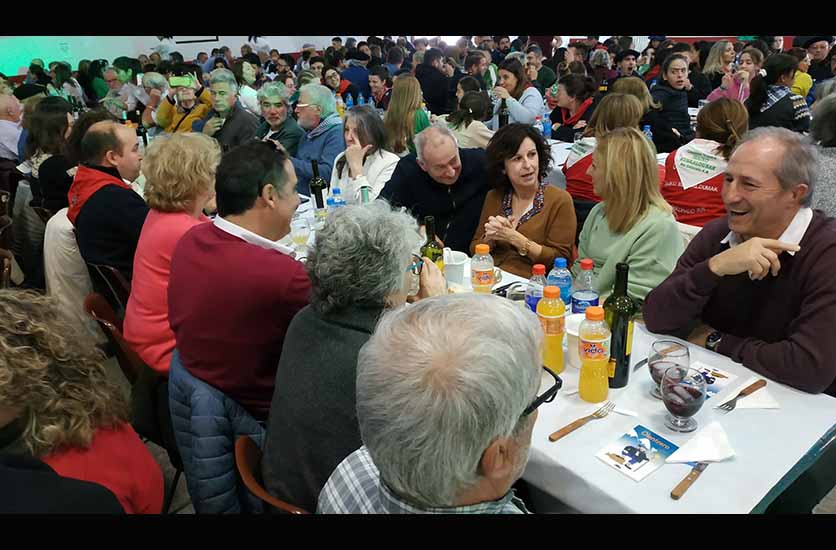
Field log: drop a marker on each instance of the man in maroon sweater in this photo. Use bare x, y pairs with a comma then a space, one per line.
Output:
760, 282
233, 288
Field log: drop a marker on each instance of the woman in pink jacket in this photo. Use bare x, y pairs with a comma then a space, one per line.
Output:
736, 86
180, 184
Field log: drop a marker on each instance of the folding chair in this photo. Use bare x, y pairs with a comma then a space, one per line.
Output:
248, 463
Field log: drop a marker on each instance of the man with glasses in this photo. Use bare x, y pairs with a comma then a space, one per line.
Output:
457, 378
277, 125
228, 121
316, 113
819, 47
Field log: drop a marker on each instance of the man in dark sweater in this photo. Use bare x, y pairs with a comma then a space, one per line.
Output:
434, 83
759, 282
233, 288
441, 181
819, 47
107, 214
227, 121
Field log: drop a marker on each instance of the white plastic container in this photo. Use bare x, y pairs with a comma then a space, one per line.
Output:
573, 324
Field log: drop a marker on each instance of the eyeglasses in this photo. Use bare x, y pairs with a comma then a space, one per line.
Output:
547, 397
416, 265
303, 105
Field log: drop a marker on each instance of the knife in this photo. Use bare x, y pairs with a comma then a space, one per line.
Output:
692, 476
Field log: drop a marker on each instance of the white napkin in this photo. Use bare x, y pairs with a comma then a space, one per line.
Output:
709, 445
761, 399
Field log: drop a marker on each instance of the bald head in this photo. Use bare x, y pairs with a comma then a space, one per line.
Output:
112, 145
10, 108
438, 154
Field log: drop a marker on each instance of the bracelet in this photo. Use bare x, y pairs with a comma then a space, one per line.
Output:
524, 250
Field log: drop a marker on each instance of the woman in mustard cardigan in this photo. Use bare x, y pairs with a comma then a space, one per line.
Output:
524, 220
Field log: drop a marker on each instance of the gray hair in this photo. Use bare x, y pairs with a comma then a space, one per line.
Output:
431, 133
799, 163
155, 80
360, 256
321, 96
825, 89
823, 128
519, 56
600, 58
437, 383
224, 76
273, 89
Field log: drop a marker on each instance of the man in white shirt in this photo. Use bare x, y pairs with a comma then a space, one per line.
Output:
10, 115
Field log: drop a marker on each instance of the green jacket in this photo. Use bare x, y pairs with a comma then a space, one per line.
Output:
545, 77
421, 122
651, 247
288, 135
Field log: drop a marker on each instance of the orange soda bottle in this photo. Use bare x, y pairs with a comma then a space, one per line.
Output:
594, 348
552, 314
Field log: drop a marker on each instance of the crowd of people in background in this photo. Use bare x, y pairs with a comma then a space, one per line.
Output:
183, 176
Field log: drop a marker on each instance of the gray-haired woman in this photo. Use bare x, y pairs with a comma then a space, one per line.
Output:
360, 264
273, 99
823, 131
365, 161
156, 86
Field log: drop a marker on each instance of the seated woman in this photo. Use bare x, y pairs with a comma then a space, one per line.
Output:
65, 85
180, 182
575, 97
193, 103
274, 102
405, 119
156, 86
466, 121
466, 84
670, 92
361, 264
633, 223
245, 74
58, 405
340, 86
772, 103
803, 82
524, 220
49, 128
365, 161
694, 173
615, 111
524, 102
736, 86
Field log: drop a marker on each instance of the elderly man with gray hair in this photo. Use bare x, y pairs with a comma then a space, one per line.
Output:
227, 121
446, 402
316, 113
443, 181
362, 263
278, 125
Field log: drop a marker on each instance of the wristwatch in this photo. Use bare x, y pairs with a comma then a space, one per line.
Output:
524, 249
713, 341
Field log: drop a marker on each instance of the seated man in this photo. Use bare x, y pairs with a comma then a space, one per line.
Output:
769, 310
233, 288
278, 125
228, 121
442, 181
446, 402
317, 114
107, 214
11, 112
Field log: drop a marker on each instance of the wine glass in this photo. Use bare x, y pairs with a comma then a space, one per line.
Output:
300, 232
683, 392
664, 355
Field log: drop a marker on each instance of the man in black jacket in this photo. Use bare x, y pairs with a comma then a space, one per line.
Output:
434, 83
441, 181
818, 47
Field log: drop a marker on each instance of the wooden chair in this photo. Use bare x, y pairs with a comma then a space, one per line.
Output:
248, 462
100, 310
110, 283
6, 259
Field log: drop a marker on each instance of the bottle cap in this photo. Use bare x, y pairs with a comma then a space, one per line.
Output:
551, 292
586, 264
560, 262
595, 313
483, 249
538, 269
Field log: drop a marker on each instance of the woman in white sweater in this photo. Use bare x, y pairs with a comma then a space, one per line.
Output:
365, 162
524, 102
466, 121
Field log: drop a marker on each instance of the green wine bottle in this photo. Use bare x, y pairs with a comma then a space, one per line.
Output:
504, 113
431, 248
619, 310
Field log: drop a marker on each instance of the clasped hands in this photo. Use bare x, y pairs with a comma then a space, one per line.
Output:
502, 229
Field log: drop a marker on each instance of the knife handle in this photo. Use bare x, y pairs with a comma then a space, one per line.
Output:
680, 489
752, 388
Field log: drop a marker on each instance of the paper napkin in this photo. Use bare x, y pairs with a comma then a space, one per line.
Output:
708, 445
761, 399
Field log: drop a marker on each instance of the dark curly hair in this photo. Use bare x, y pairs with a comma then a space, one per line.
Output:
505, 143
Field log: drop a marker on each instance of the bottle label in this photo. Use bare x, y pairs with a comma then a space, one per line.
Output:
629, 338
594, 350
482, 278
553, 325
579, 305
532, 301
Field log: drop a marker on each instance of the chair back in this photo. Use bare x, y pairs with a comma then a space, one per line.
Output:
5, 232
6, 260
99, 309
688, 232
110, 283
43, 213
5, 202
248, 463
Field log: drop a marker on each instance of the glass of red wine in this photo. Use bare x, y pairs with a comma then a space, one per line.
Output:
665, 354
683, 392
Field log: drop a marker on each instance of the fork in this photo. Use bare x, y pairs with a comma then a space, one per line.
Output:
729, 406
566, 430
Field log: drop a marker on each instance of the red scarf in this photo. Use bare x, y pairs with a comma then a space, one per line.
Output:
571, 120
344, 84
86, 182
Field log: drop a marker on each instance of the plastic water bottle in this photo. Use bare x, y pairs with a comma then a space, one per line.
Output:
584, 294
561, 277
647, 132
349, 103
547, 128
534, 289
361, 100
337, 198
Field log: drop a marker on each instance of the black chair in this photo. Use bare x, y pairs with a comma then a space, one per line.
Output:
6, 259
43, 213
5, 202
5, 232
110, 283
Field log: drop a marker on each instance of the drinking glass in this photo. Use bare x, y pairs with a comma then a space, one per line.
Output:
300, 232
665, 354
683, 392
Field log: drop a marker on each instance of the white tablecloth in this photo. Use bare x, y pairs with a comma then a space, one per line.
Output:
767, 443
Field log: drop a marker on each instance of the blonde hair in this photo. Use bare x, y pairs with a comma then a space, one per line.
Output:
178, 168
54, 374
628, 160
714, 61
636, 87
400, 116
614, 111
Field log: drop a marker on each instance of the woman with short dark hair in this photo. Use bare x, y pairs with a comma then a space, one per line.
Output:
670, 92
525, 220
575, 105
771, 102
